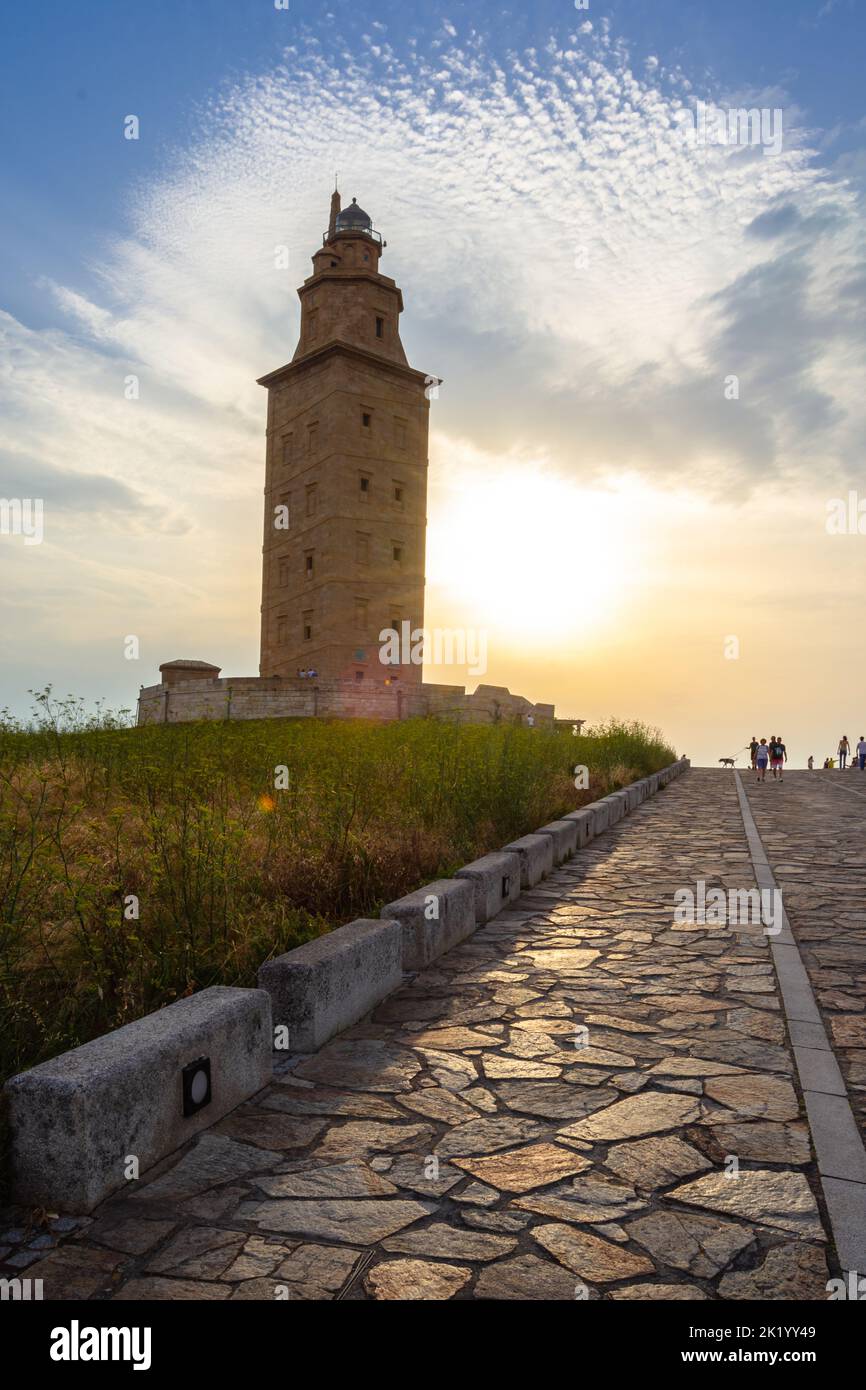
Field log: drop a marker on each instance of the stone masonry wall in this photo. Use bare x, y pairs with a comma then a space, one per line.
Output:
254, 697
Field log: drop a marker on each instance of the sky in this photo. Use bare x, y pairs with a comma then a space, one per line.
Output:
646, 457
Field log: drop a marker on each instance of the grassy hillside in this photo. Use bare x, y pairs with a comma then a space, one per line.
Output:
228, 868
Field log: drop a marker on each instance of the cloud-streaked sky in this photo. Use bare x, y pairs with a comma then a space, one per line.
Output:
584, 279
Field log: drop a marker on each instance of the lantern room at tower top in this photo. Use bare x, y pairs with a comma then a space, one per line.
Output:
350, 219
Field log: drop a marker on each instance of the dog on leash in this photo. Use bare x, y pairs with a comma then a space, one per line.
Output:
726, 762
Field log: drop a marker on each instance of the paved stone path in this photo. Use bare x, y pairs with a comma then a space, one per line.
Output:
814, 834
586, 1098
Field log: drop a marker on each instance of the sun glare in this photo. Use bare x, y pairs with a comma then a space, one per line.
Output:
532, 555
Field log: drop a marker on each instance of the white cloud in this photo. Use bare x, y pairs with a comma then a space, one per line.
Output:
570, 267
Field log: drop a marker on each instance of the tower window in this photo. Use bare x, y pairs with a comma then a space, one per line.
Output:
400, 433
397, 554
311, 491
364, 484
288, 448
308, 625
398, 493
283, 572
308, 564
312, 438
282, 631
359, 675
366, 419
362, 548
361, 616
333, 263
380, 326
312, 324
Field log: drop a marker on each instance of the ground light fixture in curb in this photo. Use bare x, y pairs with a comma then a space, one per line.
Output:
195, 1077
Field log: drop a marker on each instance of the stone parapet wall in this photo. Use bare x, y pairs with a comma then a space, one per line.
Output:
257, 697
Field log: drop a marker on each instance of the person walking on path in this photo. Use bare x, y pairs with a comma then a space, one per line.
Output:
778, 756
771, 752
753, 751
843, 750
762, 757
861, 753
811, 763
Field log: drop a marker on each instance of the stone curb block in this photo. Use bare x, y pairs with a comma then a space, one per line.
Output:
496, 879
600, 812
425, 938
536, 858
564, 836
326, 985
583, 819
76, 1119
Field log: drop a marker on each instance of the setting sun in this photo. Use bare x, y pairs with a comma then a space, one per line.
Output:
529, 553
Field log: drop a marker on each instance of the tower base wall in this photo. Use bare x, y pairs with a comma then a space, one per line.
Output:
275, 697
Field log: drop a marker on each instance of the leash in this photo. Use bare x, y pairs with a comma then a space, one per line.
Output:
739, 751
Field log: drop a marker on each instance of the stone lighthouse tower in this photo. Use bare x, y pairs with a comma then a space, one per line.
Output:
346, 472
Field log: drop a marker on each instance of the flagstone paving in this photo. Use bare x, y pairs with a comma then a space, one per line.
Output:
812, 828
585, 1099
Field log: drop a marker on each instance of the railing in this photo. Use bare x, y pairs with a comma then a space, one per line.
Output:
355, 231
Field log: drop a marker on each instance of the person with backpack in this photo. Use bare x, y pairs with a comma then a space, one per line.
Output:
843, 750
778, 756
